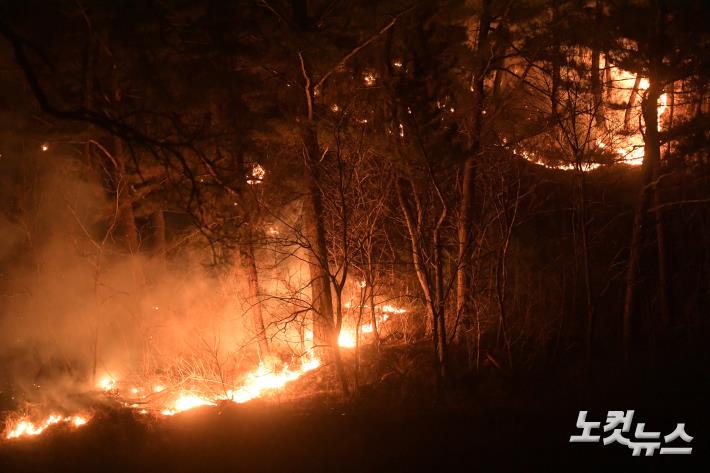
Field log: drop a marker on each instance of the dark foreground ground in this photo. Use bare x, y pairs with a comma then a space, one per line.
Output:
519, 427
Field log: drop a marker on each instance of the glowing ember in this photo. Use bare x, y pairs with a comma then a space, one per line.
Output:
369, 79
26, 428
257, 174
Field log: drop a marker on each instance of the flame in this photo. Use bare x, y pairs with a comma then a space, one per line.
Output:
629, 148
256, 384
78, 421
257, 174
388, 309
263, 379
107, 383
346, 338
187, 401
369, 78
24, 427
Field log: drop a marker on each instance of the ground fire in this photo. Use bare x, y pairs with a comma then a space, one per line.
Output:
346, 235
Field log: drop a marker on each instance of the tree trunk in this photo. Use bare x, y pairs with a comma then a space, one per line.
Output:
608, 81
595, 77
440, 307
464, 274
314, 230
431, 294
632, 103
373, 314
500, 297
555, 86
325, 335
584, 231
652, 148
650, 166
126, 217
247, 261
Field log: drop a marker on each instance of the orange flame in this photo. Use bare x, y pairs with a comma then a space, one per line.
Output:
346, 338
24, 427
256, 384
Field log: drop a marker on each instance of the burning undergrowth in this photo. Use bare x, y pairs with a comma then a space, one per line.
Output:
86, 326
158, 398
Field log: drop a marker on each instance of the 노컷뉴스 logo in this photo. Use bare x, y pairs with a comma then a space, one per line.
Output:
618, 423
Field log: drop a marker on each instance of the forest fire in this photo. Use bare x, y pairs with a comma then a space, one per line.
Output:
295, 235
160, 399
620, 132
346, 338
256, 383
187, 401
25, 427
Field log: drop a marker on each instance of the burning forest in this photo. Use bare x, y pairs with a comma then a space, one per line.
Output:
353, 236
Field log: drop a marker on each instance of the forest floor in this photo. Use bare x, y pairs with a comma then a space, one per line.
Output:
518, 427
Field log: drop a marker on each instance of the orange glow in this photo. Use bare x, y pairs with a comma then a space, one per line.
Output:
256, 384
262, 379
107, 383
186, 402
346, 339
626, 144
26, 428
257, 174
388, 309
